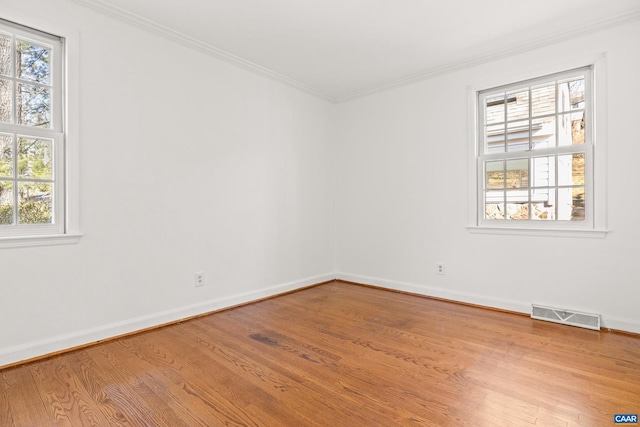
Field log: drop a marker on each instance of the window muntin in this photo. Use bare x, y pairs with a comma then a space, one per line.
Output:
534, 152
32, 190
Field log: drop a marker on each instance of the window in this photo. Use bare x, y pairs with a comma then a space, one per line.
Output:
535, 150
32, 134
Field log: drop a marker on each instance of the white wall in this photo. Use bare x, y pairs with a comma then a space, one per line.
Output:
188, 164
402, 168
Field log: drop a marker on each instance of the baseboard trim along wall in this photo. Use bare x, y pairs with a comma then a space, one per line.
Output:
50, 346
608, 322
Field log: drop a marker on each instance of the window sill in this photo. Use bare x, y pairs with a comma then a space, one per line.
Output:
541, 232
33, 241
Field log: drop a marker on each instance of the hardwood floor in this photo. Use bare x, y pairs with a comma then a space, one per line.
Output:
336, 355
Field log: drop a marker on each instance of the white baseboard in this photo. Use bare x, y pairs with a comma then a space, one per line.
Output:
30, 350
437, 292
607, 321
619, 323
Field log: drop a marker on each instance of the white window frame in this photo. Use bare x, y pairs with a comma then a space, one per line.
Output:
63, 132
595, 221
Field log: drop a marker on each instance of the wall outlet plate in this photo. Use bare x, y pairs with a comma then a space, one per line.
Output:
199, 279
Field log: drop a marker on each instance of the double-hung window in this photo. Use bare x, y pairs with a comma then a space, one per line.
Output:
535, 153
32, 134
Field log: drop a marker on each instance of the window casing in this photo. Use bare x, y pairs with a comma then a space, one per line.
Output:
32, 134
534, 153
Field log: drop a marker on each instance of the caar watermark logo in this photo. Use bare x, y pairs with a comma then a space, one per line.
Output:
625, 418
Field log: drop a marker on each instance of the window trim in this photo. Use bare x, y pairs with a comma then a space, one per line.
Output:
598, 226
67, 122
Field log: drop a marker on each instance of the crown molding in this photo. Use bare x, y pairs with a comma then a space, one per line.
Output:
193, 43
551, 39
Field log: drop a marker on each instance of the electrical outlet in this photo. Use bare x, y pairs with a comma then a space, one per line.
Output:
199, 279
440, 268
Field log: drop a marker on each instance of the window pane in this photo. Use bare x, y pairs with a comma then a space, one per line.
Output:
566, 205
577, 208
571, 95
543, 202
544, 171
494, 205
518, 204
6, 100
35, 206
543, 100
542, 212
494, 107
576, 92
34, 105
517, 173
6, 157
35, 158
571, 129
543, 132
518, 136
494, 174
494, 137
5, 55
577, 128
577, 169
518, 105
32, 62
6, 202
571, 169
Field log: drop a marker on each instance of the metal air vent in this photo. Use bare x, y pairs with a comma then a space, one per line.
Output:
566, 317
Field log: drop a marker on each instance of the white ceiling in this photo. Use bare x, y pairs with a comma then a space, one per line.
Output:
340, 49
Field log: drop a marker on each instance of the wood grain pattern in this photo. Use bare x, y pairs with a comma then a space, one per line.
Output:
337, 354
